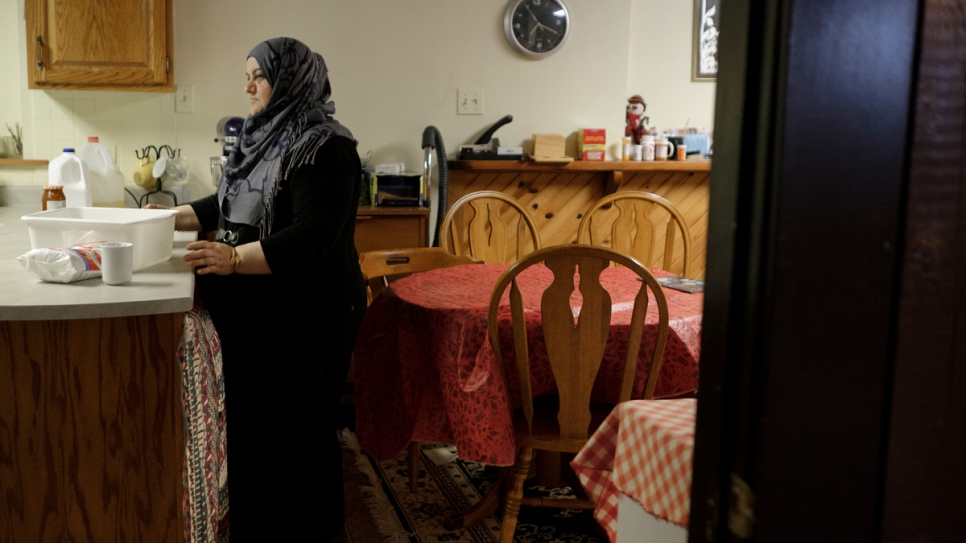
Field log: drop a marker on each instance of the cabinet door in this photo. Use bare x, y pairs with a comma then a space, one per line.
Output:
379, 228
91, 44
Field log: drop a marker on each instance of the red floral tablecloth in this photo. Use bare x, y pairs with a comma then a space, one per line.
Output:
425, 369
644, 450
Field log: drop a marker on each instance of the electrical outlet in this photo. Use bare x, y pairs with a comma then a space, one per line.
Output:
184, 99
469, 101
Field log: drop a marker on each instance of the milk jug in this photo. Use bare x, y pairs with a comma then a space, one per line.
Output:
105, 178
69, 171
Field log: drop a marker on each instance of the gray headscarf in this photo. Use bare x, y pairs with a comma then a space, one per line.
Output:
282, 137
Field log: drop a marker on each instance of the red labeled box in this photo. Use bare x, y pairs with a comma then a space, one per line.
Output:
592, 136
591, 144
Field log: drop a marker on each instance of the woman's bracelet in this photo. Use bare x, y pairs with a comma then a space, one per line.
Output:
234, 259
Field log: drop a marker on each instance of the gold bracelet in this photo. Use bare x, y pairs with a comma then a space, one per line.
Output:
234, 260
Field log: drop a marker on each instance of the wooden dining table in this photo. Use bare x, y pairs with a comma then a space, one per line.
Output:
425, 369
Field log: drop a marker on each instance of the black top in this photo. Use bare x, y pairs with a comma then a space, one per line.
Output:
311, 249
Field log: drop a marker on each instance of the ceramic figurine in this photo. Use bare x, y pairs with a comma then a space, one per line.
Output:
636, 121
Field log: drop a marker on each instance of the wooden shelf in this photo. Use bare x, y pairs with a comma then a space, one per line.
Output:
696, 165
21, 162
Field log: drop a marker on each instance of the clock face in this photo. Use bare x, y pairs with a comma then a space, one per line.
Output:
536, 28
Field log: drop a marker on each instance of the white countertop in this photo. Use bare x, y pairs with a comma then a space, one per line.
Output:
167, 287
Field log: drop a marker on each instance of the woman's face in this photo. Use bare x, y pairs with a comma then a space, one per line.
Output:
257, 87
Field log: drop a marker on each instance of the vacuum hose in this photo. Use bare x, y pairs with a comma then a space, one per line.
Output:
433, 140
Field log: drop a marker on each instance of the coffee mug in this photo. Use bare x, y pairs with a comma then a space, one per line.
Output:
662, 149
116, 259
144, 174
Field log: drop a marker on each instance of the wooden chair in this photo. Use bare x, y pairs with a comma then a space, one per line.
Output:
564, 422
634, 219
378, 267
486, 231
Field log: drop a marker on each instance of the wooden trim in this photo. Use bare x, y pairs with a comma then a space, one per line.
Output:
21, 162
925, 479
391, 210
699, 165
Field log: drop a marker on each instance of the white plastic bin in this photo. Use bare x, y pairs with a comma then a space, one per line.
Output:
150, 230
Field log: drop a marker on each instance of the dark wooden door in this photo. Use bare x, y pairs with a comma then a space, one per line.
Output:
833, 354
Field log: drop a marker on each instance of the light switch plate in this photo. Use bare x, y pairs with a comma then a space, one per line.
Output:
469, 101
184, 99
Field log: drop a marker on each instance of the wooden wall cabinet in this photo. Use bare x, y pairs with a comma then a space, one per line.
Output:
95, 45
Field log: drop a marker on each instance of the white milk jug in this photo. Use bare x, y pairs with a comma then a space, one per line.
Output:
69, 171
105, 178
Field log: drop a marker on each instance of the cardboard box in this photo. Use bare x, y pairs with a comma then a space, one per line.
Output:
592, 136
592, 144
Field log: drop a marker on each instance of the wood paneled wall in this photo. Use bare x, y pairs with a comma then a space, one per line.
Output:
557, 196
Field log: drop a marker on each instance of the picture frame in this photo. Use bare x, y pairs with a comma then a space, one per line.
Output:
704, 56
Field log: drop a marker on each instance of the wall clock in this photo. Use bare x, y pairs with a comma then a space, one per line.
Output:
536, 28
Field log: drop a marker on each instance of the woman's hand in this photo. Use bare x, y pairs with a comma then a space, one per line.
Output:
185, 221
209, 257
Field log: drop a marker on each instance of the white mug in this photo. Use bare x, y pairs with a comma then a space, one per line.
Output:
662, 149
116, 259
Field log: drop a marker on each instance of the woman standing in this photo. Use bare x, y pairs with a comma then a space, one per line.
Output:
286, 295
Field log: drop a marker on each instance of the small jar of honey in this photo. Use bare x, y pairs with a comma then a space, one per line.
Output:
54, 197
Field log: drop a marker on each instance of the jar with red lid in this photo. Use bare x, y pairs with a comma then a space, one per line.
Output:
54, 197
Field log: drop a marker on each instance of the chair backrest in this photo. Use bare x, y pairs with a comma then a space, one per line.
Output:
379, 266
576, 351
630, 222
481, 225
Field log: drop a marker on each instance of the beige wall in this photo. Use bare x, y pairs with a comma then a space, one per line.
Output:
395, 68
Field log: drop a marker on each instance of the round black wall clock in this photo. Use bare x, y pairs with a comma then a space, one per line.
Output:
536, 28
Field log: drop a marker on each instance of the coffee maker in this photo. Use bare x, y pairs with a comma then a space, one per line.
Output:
228, 129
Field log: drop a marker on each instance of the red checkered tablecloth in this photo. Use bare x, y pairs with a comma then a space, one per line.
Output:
643, 450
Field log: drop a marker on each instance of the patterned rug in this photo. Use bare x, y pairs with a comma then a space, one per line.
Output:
447, 485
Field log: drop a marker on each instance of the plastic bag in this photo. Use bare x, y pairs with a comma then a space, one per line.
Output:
62, 265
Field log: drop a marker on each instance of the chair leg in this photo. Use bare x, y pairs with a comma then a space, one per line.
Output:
413, 465
514, 495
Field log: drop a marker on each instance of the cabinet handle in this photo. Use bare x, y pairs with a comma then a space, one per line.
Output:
40, 53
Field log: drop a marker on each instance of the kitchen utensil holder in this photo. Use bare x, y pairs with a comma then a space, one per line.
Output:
146, 153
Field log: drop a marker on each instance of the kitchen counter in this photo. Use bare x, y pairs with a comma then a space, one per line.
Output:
91, 400
167, 287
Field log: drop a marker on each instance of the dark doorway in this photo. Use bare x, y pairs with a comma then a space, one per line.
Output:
833, 378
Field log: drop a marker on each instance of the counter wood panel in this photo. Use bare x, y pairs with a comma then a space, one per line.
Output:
557, 195
91, 430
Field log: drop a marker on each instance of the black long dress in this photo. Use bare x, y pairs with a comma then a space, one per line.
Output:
286, 346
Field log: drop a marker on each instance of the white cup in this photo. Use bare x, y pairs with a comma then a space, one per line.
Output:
116, 259
662, 148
